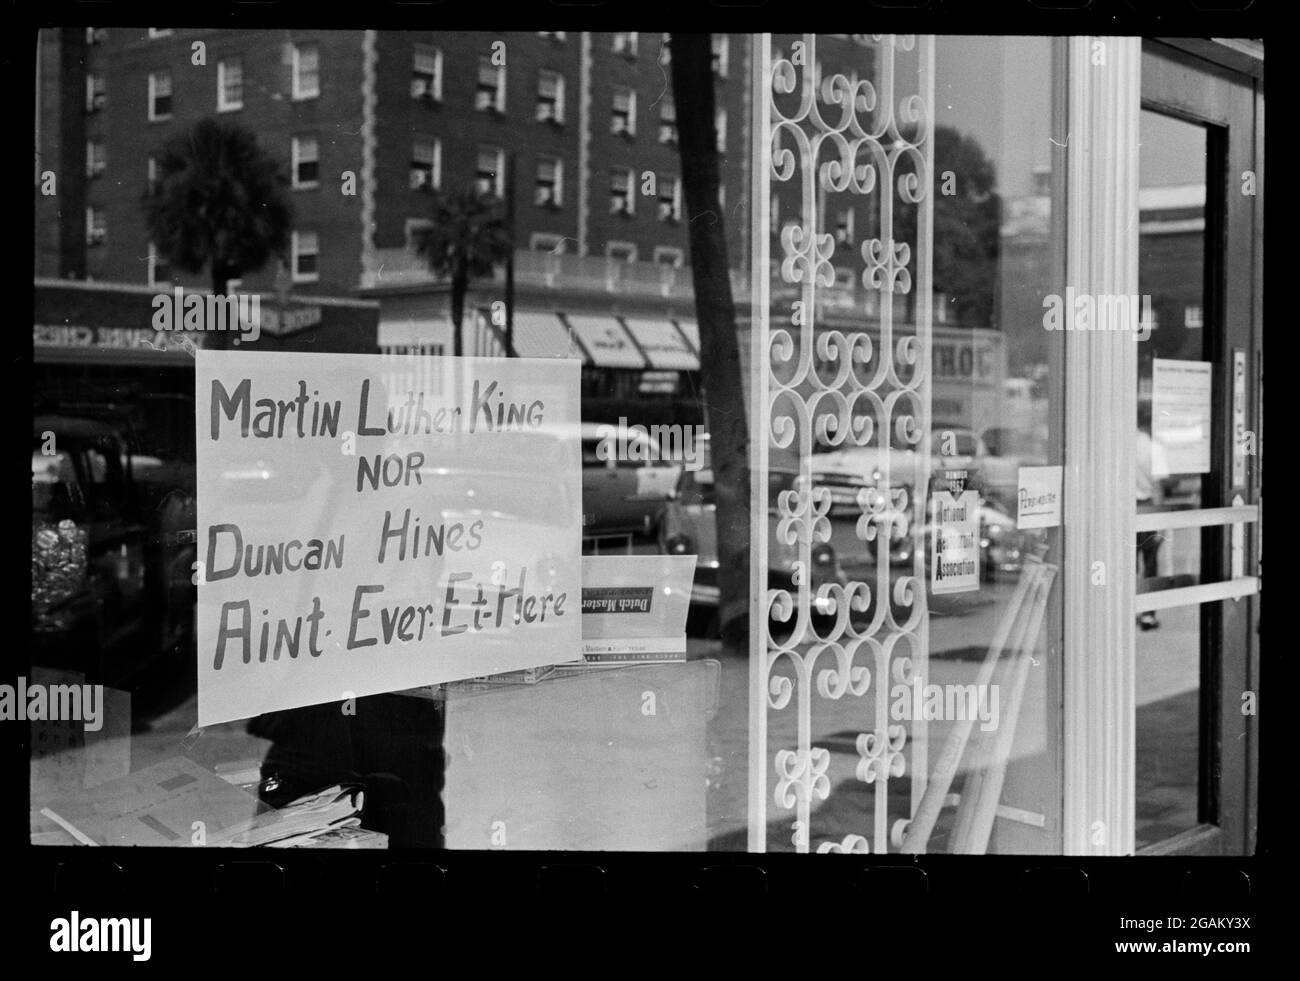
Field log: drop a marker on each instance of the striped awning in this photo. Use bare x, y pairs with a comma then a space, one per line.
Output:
542, 335
606, 342
663, 344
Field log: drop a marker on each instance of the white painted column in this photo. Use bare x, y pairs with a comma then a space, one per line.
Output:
1100, 424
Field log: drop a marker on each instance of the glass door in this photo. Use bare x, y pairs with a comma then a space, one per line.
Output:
1196, 450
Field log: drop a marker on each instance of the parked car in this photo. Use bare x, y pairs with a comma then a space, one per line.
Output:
111, 579
622, 496
688, 526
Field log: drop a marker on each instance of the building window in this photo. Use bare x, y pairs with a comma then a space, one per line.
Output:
96, 226
96, 35
550, 96
844, 228
306, 71
230, 84
557, 36
426, 164
621, 251
306, 257
489, 178
621, 199
720, 124
546, 242
160, 270
667, 255
624, 118
157, 32
491, 93
160, 95
95, 159
667, 120
550, 182
1192, 318
306, 161
670, 199
625, 43
96, 94
720, 50
426, 74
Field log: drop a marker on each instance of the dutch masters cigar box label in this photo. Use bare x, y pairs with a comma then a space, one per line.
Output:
634, 607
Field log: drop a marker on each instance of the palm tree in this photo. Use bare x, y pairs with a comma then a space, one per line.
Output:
220, 202
469, 237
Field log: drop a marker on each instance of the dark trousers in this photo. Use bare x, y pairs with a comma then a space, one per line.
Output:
392, 746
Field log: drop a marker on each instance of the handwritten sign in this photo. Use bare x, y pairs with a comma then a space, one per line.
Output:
1038, 497
373, 524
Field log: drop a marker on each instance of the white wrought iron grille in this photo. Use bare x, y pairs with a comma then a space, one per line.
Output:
850, 133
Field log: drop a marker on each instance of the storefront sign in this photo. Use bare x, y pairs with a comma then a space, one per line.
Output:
113, 338
1180, 413
955, 537
634, 607
1038, 498
363, 529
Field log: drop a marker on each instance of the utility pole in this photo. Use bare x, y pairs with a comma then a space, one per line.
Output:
510, 261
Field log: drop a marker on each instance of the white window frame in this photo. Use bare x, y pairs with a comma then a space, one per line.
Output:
300, 91
498, 182
557, 107
629, 127
676, 213
628, 247
547, 242
154, 262
557, 187
96, 231
499, 98
433, 89
668, 102
296, 157
1193, 317
155, 117
222, 104
96, 162
624, 43
435, 163
630, 201
672, 252
721, 54
296, 252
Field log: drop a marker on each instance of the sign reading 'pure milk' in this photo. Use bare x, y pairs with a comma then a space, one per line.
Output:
370, 524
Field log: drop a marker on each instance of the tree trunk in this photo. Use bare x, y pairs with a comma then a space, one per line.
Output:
720, 368
459, 287
218, 340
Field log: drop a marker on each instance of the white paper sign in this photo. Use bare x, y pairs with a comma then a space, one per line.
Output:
370, 524
1038, 499
955, 541
1180, 413
634, 607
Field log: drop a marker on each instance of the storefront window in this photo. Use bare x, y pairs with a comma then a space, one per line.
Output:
729, 516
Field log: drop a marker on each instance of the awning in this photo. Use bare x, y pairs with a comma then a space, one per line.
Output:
663, 344
692, 331
414, 332
542, 335
608, 344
